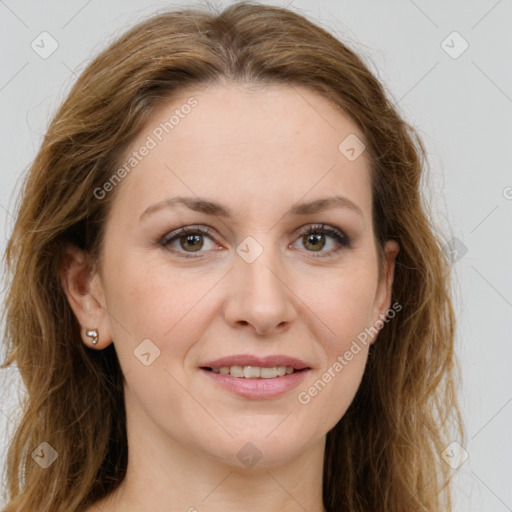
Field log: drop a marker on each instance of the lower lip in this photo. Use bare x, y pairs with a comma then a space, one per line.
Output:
258, 388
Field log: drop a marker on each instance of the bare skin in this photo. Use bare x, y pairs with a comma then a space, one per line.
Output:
257, 152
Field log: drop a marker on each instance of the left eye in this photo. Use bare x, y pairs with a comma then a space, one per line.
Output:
314, 238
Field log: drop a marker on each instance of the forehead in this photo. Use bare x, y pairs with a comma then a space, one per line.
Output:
272, 144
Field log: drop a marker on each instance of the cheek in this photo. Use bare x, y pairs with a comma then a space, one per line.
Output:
157, 303
342, 302
329, 396
342, 316
167, 307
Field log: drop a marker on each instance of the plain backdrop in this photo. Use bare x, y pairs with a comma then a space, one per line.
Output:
447, 67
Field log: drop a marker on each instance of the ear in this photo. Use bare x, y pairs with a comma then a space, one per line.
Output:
385, 286
84, 291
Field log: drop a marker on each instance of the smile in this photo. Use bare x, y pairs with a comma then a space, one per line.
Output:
254, 372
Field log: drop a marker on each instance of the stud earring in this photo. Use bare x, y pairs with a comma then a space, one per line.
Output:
92, 333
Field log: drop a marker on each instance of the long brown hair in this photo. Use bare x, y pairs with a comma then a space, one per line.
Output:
385, 453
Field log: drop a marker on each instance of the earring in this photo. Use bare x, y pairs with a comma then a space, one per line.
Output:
92, 333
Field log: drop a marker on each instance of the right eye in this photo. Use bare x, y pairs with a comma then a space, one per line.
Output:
181, 240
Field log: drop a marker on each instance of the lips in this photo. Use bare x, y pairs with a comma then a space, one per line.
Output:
269, 361
237, 374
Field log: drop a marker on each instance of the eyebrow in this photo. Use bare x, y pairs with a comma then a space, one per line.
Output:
210, 207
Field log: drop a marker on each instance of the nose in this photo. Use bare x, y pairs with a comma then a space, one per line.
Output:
260, 296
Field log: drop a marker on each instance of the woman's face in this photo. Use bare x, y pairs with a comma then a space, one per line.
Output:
253, 166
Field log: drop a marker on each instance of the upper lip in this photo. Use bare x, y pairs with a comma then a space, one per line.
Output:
252, 360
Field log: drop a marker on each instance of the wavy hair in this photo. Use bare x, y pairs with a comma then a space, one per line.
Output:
385, 453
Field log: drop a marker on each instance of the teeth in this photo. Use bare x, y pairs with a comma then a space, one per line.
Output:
254, 372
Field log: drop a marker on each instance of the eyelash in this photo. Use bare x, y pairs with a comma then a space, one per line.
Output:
342, 240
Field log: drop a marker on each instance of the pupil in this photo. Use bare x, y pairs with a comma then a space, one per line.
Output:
193, 239
316, 241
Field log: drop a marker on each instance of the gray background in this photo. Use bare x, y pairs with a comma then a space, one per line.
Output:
462, 107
